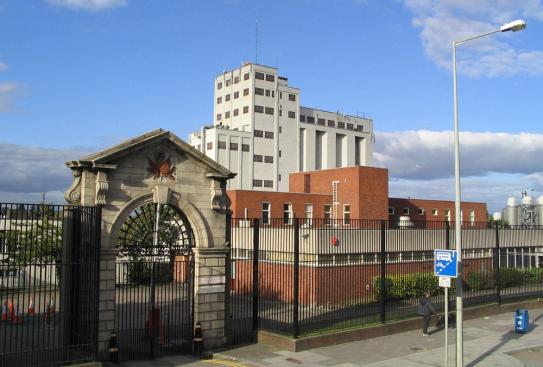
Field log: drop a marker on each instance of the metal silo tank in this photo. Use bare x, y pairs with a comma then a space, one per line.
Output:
510, 212
539, 210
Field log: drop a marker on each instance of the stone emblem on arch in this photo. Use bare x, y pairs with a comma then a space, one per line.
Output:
160, 167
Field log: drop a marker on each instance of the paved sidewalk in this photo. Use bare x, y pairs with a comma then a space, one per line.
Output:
489, 341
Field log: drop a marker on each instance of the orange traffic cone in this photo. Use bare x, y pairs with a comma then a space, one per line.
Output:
17, 319
10, 308
50, 312
31, 307
4, 311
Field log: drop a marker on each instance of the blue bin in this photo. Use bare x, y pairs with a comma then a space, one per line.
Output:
521, 321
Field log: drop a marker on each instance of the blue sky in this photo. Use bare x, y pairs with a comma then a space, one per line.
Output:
79, 75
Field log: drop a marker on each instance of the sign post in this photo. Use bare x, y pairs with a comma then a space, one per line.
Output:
446, 267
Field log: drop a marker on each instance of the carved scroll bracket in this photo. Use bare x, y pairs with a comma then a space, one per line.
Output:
73, 194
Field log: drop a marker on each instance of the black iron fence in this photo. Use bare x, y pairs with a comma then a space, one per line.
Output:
303, 276
49, 275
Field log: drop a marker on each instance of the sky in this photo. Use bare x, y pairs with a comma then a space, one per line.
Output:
77, 76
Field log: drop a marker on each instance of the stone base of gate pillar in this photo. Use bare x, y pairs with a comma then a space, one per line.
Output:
210, 294
106, 311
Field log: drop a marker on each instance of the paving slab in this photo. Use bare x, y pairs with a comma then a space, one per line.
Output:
488, 341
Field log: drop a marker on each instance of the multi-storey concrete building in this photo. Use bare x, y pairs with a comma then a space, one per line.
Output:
261, 132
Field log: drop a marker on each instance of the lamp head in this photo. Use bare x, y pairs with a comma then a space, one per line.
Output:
515, 26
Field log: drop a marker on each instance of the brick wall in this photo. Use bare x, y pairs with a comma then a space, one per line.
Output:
252, 200
364, 188
331, 285
441, 205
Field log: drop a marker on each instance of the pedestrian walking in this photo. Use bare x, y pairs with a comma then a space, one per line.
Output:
426, 309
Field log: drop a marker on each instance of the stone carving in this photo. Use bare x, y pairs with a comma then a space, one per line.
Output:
161, 167
219, 198
102, 186
73, 194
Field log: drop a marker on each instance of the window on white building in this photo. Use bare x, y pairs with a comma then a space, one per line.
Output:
219, 85
268, 183
266, 213
219, 100
292, 97
287, 213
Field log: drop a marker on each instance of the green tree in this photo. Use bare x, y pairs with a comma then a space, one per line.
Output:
34, 238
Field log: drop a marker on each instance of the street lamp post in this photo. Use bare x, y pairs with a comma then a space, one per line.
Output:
517, 25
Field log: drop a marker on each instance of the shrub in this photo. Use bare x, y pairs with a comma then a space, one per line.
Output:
406, 286
509, 277
481, 281
139, 272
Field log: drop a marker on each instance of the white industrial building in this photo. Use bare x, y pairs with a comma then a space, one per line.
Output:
261, 132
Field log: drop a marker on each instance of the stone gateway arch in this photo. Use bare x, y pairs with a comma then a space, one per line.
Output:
181, 273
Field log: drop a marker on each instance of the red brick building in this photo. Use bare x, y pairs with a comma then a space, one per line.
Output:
362, 193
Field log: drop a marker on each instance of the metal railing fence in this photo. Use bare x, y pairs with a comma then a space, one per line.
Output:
304, 276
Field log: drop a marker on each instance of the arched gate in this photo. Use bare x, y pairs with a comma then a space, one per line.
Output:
154, 283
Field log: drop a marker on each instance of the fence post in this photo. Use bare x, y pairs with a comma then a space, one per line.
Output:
256, 245
382, 299
228, 275
296, 289
497, 264
447, 235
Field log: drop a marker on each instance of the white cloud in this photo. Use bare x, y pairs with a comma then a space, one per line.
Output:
494, 166
89, 4
427, 154
29, 171
442, 21
8, 91
3, 66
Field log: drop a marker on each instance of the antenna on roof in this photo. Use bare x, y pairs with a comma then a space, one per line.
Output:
256, 41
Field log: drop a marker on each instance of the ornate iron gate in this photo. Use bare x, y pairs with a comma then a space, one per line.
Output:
49, 269
154, 284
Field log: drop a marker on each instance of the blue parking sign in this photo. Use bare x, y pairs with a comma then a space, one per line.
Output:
445, 263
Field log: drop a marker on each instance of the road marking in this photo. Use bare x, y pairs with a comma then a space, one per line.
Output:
225, 363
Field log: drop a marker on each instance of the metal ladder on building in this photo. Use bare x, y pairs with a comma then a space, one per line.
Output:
335, 201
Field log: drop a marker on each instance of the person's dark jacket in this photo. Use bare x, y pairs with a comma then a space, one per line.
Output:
426, 307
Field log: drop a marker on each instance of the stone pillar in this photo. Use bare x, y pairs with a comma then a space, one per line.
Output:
106, 311
209, 296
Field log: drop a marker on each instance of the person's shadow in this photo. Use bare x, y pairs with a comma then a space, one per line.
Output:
440, 324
